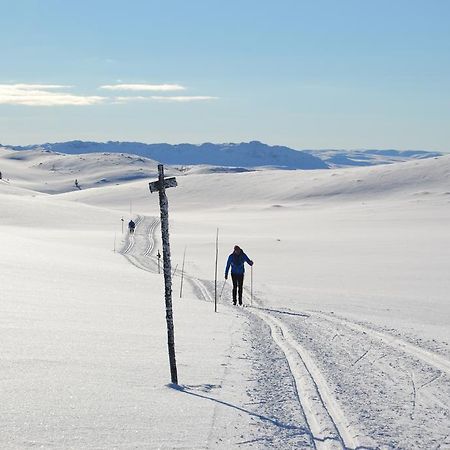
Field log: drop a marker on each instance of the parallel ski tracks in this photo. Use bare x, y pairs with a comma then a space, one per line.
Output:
202, 288
142, 257
328, 424
131, 238
329, 427
150, 232
330, 430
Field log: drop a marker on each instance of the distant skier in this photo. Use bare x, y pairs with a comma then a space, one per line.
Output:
77, 184
236, 261
131, 226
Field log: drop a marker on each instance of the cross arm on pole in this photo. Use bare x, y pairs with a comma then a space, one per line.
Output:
154, 186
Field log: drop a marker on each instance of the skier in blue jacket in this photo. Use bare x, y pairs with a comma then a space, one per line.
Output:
236, 261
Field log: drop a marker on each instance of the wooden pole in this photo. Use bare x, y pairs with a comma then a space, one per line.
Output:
215, 275
164, 209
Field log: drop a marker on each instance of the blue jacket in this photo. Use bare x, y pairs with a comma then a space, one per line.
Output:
237, 263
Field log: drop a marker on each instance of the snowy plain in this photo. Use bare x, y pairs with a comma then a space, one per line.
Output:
345, 343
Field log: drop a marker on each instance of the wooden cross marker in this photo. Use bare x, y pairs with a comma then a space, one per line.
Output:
160, 186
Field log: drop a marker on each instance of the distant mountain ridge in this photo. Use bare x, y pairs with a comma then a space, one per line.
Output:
244, 154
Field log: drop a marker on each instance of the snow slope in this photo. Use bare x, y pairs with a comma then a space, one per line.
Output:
345, 344
52, 172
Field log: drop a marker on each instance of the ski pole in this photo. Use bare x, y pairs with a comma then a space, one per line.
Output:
251, 285
215, 273
182, 273
223, 285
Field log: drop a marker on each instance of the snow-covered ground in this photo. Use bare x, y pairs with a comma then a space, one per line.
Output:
345, 343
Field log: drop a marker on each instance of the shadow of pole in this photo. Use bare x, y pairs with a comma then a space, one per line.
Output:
293, 428
186, 390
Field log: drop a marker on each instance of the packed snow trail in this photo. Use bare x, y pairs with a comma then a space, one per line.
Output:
328, 425
139, 246
354, 386
395, 396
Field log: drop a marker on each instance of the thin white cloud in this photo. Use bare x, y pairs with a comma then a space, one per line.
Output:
34, 94
180, 99
143, 87
184, 98
43, 95
31, 87
129, 99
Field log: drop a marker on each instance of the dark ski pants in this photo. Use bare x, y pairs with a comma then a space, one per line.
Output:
238, 282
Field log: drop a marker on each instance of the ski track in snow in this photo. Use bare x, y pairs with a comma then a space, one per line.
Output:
429, 357
329, 426
327, 420
327, 423
139, 247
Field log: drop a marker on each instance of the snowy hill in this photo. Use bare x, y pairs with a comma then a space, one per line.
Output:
204, 189
51, 172
48, 172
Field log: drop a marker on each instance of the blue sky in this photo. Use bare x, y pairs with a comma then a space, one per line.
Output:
307, 74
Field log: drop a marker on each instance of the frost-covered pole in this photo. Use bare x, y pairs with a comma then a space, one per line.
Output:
161, 186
